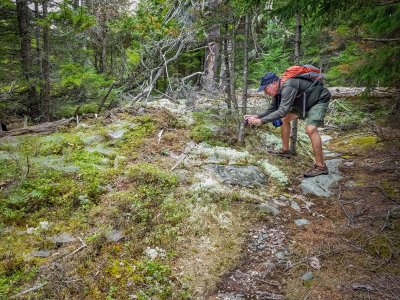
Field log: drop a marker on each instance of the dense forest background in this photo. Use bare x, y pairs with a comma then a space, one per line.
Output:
58, 56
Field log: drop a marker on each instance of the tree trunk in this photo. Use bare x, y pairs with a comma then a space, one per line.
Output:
46, 66
231, 59
23, 27
212, 51
223, 71
228, 85
39, 56
293, 136
103, 43
231, 63
245, 67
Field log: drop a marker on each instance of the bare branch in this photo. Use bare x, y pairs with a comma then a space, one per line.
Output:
382, 40
30, 290
388, 3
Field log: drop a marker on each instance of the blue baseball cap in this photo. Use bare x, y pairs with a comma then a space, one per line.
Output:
267, 79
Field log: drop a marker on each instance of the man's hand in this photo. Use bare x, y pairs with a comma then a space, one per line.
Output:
252, 119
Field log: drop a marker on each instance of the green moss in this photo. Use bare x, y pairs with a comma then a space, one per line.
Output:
379, 245
364, 142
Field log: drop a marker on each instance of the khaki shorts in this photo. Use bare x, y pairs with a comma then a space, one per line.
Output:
315, 115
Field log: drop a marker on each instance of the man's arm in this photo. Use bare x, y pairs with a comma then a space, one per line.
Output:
288, 95
271, 109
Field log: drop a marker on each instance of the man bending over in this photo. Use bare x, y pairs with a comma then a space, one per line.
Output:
290, 102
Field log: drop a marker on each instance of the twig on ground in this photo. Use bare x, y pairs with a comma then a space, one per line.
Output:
345, 212
307, 295
189, 147
309, 258
388, 216
31, 290
306, 149
268, 282
387, 196
79, 249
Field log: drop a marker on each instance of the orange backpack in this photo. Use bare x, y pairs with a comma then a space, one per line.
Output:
305, 71
308, 72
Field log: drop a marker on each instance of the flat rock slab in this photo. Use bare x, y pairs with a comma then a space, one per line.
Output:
43, 253
63, 237
320, 185
247, 176
115, 235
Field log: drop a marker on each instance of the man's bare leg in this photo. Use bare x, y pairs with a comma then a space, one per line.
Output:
285, 130
316, 143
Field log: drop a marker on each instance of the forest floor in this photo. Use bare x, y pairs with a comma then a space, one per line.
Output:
350, 249
95, 212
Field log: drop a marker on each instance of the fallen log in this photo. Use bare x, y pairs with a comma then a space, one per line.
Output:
347, 92
44, 128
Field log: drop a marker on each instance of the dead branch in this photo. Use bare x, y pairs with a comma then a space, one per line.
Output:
388, 2
183, 39
30, 290
79, 249
44, 128
387, 196
309, 258
362, 287
388, 216
189, 147
344, 210
106, 96
268, 282
382, 40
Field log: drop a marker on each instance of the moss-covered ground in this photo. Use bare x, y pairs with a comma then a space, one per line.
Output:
176, 239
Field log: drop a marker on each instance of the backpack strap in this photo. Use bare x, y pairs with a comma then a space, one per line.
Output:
315, 82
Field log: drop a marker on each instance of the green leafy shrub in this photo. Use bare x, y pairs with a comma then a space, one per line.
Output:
147, 174
202, 134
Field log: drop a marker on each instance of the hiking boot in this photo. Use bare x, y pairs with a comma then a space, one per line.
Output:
281, 152
316, 170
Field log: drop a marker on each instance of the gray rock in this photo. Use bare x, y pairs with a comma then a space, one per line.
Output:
260, 248
115, 235
116, 134
348, 163
247, 176
63, 237
91, 139
240, 296
101, 149
278, 202
213, 128
301, 222
332, 155
68, 169
350, 184
141, 110
307, 276
265, 235
320, 185
325, 138
280, 255
345, 142
295, 205
269, 209
43, 253
256, 244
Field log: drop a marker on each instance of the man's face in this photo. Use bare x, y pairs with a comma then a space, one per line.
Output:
272, 89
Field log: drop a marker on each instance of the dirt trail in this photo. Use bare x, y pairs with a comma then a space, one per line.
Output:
350, 248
